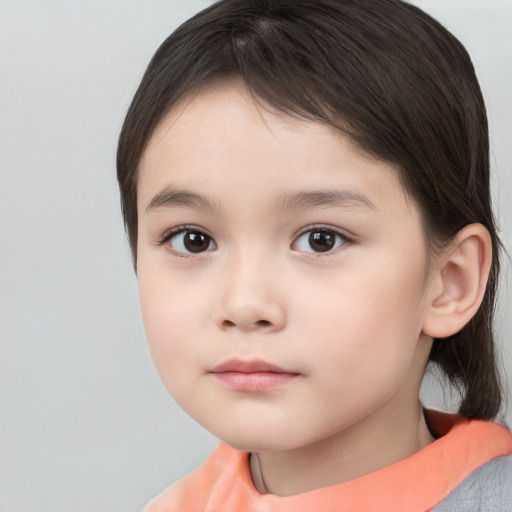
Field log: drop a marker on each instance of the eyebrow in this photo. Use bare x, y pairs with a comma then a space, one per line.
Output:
323, 198
171, 197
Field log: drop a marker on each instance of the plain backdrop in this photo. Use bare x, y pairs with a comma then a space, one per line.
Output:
85, 424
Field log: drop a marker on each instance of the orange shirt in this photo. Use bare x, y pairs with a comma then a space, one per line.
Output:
223, 483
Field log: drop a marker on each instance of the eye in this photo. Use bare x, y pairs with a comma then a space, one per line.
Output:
319, 240
190, 241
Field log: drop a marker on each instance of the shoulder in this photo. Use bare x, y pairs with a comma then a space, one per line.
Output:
487, 489
225, 471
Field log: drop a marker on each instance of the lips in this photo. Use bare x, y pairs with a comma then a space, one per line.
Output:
252, 376
237, 365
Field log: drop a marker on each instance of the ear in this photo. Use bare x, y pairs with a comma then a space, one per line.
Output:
458, 282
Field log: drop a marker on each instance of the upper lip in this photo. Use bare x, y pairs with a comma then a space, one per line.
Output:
241, 366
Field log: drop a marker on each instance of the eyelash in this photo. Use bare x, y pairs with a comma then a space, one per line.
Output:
171, 233
324, 229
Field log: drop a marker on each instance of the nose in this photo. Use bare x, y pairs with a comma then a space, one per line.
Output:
251, 298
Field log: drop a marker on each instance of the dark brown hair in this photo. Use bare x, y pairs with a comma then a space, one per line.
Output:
381, 70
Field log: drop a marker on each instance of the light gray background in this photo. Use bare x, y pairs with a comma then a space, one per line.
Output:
85, 424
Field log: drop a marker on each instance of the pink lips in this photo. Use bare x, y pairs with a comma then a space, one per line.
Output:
251, 375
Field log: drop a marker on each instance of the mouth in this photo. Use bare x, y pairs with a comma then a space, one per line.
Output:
252, 376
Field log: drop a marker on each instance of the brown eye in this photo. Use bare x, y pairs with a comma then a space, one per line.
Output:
322, 241
319, 240
191, 242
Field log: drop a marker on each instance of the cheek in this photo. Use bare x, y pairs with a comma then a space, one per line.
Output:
366, 297
171, 311
367, 322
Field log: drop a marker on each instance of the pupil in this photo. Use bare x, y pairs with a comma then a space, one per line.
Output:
321, 241
196, 242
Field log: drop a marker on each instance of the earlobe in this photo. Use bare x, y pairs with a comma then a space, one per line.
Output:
460, 275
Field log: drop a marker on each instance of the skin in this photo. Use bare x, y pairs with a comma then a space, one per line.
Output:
348, 322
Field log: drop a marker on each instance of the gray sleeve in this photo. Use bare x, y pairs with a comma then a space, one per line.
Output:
488, 489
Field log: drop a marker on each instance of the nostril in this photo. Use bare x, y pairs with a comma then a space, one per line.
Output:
259, 323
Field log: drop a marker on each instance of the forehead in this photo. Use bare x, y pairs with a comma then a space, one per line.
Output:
222, 140
225, 114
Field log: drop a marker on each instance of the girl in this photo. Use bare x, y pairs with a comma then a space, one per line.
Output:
305, 185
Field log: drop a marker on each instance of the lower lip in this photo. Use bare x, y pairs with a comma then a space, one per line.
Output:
256, 381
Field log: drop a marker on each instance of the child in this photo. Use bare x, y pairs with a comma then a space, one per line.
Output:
305, 185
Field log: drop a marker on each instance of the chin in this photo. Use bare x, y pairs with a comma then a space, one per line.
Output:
259, 439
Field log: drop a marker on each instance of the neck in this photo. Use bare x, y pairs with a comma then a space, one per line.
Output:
377, 442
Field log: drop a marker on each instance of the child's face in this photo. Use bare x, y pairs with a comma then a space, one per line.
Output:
292, 250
